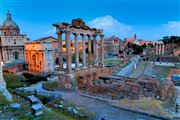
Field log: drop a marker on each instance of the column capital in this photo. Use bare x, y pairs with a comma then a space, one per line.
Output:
94, 35
101, 35
82, 35
75, 34
89, 35
59, 33
67, 31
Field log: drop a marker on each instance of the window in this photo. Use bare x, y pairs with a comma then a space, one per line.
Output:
16, 55
56, 50
14, 41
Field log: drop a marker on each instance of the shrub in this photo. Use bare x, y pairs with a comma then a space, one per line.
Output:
50, 86
32, 79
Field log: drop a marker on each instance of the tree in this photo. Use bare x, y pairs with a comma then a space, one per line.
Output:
144, 45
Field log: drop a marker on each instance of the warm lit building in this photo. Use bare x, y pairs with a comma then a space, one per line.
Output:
54, 46
39, 56
11, 42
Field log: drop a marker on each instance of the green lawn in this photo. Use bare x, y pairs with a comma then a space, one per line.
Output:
3, 101
112, 62
162, 72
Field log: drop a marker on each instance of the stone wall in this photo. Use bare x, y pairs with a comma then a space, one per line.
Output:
124, 87
86, 76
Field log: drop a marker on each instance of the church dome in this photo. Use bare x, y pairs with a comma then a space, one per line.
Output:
9, 27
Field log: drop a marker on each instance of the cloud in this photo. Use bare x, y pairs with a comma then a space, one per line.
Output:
172, 27
111, 26
52, 31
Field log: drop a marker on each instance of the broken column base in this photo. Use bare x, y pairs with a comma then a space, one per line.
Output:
5, 93
67, 81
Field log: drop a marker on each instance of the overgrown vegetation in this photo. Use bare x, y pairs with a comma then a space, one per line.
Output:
3, 100
137, 48
145, 105
32, 79
14, 81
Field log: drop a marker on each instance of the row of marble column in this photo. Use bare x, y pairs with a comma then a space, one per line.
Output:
92, 58
159, 49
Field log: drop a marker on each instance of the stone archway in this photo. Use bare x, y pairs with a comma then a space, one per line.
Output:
34, 62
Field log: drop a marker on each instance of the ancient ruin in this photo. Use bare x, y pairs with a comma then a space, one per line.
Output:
78, 27
3, 89
159, 48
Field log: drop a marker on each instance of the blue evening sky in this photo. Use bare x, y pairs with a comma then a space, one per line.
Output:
149, 19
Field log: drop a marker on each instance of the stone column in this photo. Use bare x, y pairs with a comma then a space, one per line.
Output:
3, 89
68, 52
89, 51
95, 50
156, 45
102, 50
162, 49
159, 49
76, 52
83, 51
60, 54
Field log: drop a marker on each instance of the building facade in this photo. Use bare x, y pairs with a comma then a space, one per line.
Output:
39, 56
11, 42
111, 46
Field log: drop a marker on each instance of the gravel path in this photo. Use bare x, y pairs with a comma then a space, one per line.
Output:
94, 106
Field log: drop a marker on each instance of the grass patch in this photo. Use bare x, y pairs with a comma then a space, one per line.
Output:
162, 72
112, 62
145, 105
70, 116
14, 81
51, 86
3, 101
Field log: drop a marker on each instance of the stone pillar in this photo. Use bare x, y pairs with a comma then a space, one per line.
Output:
159, 49
102, 50
68, 52
162, 49
83, 51
156, 45
60, 54
76, 52
95, 51
3, 89
89, 51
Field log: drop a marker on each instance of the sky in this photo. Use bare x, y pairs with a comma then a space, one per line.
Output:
149, 19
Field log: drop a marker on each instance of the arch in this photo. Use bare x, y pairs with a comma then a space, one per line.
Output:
34, 60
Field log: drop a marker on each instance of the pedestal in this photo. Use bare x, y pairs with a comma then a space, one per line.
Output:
67, 81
